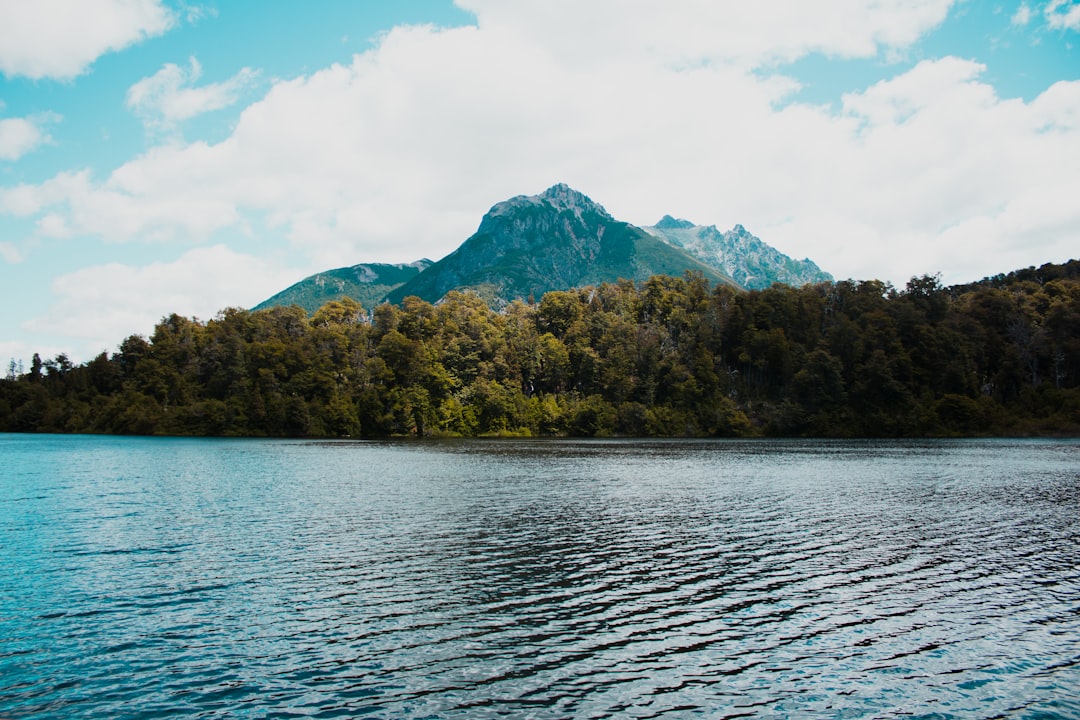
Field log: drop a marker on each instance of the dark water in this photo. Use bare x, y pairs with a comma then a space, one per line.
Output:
546, 579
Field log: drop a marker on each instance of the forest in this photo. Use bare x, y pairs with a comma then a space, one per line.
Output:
667, 357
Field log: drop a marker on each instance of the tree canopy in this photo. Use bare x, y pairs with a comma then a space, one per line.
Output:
668, 357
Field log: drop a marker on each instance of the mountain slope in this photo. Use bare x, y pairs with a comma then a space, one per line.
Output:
368, 284
560, 239
744, 257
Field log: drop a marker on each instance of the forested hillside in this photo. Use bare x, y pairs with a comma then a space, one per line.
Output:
671, 356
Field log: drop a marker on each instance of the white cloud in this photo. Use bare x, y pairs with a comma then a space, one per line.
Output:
157, 197
397, 154
1057, 110
18, 136
1022, 16
688, 32
26, 200
99, 306
10, 253
928, 85
60, 39
1063, 14
170, 96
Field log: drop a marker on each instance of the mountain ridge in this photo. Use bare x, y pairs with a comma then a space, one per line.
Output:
367, 283
750, 261
558, 239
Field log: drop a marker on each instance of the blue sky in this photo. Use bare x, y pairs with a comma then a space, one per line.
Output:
160, 157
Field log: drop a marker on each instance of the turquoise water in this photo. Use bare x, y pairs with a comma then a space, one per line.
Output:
155, 577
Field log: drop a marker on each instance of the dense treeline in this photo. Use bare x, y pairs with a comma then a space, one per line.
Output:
672, 356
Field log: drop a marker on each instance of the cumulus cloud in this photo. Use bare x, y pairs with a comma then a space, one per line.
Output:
10, 253
689, 32
169, 206
1063, 14
170, 96
946, 177
659, 108
60, 39
18, 136
1022, 16
101, 305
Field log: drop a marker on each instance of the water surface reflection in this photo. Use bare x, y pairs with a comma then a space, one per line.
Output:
539, 578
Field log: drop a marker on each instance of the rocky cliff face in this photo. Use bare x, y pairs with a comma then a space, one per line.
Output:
751, 262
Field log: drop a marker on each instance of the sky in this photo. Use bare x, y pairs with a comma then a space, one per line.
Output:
187, 156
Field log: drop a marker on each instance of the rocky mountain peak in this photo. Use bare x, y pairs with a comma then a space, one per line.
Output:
743, 256
669, 223
560, 198
563, 197
556, 240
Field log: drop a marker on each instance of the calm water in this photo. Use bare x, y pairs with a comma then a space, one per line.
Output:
544, 579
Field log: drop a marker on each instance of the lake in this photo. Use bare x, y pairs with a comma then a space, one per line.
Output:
164, 577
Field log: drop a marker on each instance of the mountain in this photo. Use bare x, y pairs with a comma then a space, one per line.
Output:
560, 239
744, 257
368, 284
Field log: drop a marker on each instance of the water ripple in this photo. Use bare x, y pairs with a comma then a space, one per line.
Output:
143, 578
